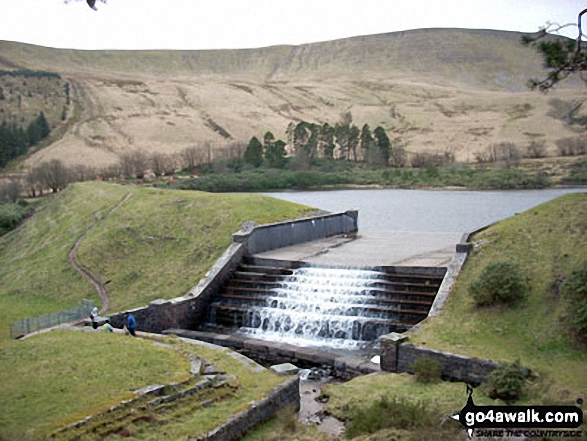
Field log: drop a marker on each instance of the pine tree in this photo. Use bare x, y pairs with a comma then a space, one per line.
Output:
383, 145
366, 142
254, 152
44, 129
275, 154
353, 141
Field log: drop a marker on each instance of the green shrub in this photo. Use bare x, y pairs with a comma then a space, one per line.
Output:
574, 290
388, 412
500, 282
506, 382
427, 370
10, 216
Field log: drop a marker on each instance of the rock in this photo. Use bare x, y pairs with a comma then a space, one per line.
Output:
285, 369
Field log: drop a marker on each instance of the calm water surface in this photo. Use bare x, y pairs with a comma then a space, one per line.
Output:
425, 210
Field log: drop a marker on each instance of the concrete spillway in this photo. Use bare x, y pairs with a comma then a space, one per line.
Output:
292, 302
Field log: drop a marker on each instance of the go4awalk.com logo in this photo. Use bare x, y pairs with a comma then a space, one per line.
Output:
527, 421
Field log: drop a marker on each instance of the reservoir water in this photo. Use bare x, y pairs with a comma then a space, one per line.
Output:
446, 211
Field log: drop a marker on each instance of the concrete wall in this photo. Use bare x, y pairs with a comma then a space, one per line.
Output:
287, 394
189, 310
270, 237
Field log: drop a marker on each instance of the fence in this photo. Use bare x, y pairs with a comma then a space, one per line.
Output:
32, 324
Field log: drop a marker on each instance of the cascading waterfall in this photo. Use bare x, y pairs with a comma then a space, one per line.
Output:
317, 306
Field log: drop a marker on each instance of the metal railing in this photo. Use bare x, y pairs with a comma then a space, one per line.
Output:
27, 325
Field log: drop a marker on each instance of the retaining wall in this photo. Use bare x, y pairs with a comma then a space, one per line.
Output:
399, 356
287, 394
188, 311
283, 234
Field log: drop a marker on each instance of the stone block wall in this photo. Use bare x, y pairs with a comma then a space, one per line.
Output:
287, 394
454, 367
399, 356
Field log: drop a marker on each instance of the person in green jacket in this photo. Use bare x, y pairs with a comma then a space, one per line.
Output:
107, 327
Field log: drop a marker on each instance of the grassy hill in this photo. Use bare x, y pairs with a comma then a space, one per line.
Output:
548, 242
157, 244
150, 244
433, 90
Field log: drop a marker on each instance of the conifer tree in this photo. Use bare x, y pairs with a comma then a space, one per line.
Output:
254, 152
383, 145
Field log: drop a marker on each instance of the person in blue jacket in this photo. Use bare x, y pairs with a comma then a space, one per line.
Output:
131, 324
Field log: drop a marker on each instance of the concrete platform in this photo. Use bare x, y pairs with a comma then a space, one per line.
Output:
374, 249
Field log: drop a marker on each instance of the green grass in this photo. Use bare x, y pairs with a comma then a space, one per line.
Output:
252, 386
158, 244
548, 242
34, 268
57, 378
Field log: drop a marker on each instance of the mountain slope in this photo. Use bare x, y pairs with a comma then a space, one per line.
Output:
433, 90
487, 58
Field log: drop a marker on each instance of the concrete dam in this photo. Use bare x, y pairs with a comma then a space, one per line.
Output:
272, 297
311, 305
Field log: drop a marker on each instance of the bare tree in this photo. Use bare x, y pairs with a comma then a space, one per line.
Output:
33, 182
536, 149
53, 175
82, 173
572, 146
126, 165
140, 163
159, 163
11, 191
192, 157
113, 171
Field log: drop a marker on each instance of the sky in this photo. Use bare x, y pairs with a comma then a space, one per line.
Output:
232, 24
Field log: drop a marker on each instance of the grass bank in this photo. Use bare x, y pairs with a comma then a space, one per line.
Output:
53, 380
57, 378
548, 242
157, 244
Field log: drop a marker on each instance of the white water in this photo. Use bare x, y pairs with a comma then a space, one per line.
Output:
316, 306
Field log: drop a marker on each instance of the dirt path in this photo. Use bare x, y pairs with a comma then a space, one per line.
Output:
98, 286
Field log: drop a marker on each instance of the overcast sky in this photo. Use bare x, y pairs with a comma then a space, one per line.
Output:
222, 24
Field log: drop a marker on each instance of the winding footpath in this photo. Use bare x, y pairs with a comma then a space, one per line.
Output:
98, 286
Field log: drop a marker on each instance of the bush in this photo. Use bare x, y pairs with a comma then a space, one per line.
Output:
574, 289
500, 282
427, 370
10, 216
388, 412
506, 381
578, 173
